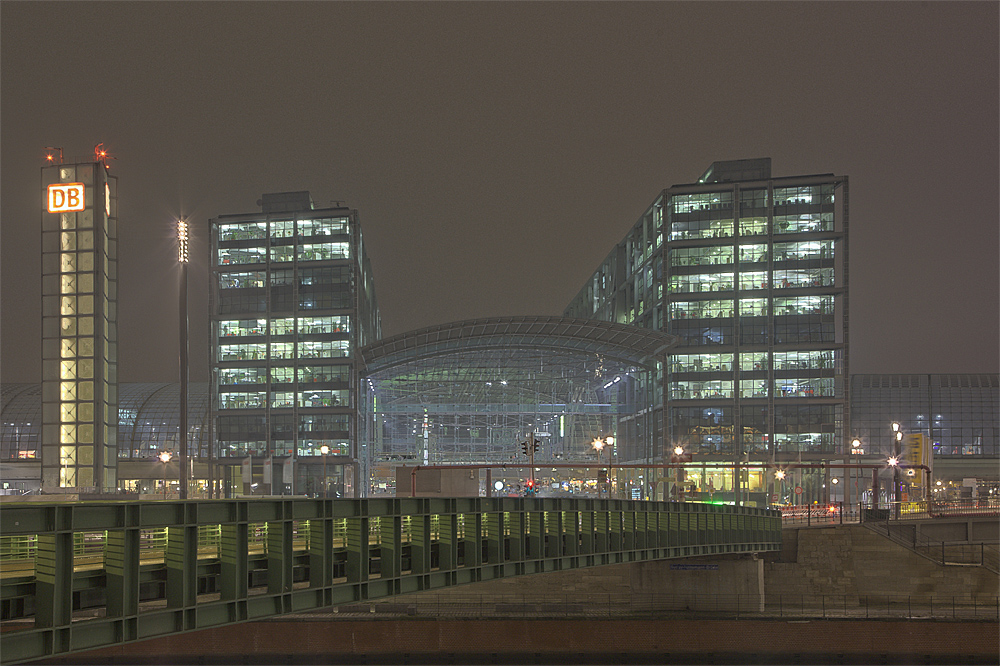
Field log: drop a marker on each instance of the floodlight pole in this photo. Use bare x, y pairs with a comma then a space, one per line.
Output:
182, 258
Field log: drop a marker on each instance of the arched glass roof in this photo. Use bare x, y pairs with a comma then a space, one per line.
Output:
148, 419
619, 342
469, 391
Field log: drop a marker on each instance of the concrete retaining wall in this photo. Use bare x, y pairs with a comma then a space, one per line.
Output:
852, 560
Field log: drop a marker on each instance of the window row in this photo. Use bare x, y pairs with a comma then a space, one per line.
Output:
758, 253
284, 448
283, 426
284, 375
284, 299
285, 350
285, 326
714, 227
282, 229
284, 253
783, 279
695, 332
750, 307
752, 361
752, 388
284, 399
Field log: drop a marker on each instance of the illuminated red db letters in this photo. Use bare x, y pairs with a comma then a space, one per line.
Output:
66, 197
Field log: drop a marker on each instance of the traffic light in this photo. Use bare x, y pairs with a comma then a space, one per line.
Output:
524, 448
534, 446
602, 476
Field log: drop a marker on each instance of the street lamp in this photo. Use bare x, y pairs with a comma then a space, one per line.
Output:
598, 445
780, 476
610, 441
678, 457
165, 458
324, 450
182, 259
894, 463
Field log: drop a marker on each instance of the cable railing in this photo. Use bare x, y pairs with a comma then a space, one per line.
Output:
945, 553
840, 513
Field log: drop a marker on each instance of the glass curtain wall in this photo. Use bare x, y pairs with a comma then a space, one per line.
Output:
476, 407
293, 299
752, 276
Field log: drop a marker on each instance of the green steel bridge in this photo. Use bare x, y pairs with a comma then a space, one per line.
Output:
85, 575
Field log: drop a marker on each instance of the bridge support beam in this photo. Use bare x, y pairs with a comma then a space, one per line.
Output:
321, 553
357, 551
121, 566
279, 556
586, 532
494, 538
553, 534
420, 545
390, 531
234, 566
536, 535
472, 545
54, 580
448, 542
182, 566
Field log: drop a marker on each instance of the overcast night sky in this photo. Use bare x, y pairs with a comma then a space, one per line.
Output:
497, 152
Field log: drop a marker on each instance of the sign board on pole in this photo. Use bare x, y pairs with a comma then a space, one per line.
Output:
247, 467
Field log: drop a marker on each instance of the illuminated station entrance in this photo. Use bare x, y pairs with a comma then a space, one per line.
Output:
475, 392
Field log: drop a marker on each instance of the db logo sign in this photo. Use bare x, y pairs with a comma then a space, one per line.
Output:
65, 197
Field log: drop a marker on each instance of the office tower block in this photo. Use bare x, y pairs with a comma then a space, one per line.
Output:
292, 300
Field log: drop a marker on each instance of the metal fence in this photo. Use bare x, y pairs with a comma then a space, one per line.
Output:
838, 513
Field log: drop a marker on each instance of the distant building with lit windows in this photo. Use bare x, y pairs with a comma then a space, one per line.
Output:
750, 271
959, 414
292, 299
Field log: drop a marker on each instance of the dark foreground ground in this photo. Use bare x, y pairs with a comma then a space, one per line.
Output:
548, 641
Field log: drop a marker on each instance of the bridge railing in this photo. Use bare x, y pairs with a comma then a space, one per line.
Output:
314, 553
597, 604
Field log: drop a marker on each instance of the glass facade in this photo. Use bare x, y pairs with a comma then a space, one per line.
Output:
960, 413
292, 301
79, 327
751, 273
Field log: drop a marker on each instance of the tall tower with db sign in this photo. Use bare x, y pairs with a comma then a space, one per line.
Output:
79, 325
